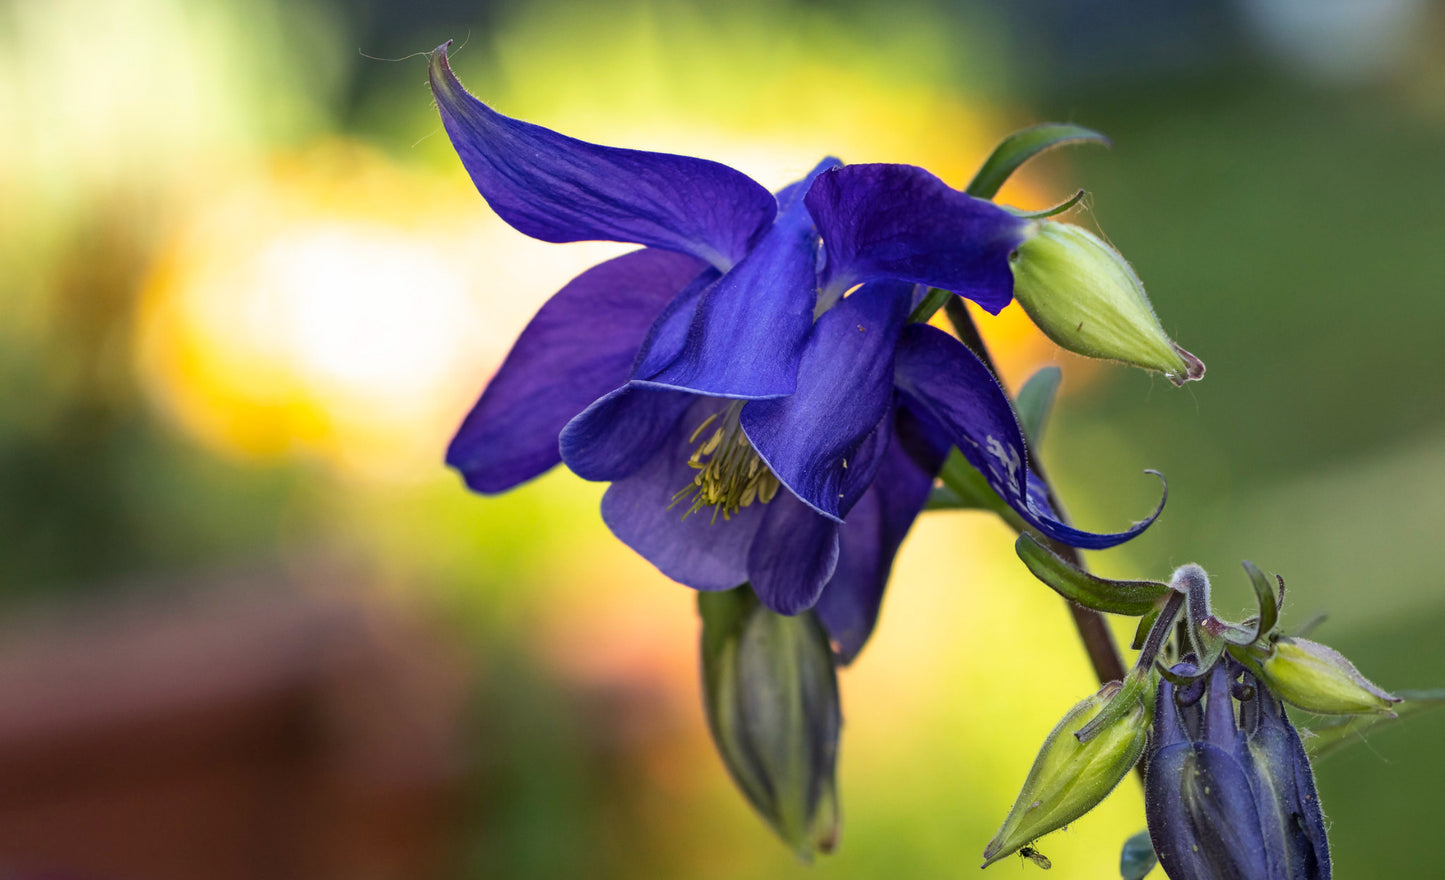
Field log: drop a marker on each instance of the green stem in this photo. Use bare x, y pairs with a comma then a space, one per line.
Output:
1093, 631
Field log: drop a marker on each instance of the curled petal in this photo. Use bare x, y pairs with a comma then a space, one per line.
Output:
580, 345
814, 439
939, 376
557, 188
899, 221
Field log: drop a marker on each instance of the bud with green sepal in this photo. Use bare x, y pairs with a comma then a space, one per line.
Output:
772, 706
1317, 678
1085, 297
1095, 745
1307, 674
1069, 778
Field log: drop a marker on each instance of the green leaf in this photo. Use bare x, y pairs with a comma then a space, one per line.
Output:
1310, 625
1268, 603
1333, 734
972, 491
1036, 401
1060, 208
944, 498
1022, 146
1133, 598
1137, 858
1146, 623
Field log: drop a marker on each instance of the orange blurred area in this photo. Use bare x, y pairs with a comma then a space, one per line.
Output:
256, 732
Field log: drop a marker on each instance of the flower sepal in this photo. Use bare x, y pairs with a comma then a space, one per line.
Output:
1088, 590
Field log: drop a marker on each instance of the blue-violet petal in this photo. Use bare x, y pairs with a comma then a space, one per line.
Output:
557, 188
814, 439
793, 555
939, 376
580, 346
899, 221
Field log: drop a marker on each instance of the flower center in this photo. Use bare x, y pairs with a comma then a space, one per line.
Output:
730, 476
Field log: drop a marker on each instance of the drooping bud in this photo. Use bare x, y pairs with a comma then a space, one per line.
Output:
1085, 297
1225, 801
1069, 777
1284, 786
772, 706
1319, 679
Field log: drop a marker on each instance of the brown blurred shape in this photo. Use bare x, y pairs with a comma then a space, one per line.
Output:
235, 737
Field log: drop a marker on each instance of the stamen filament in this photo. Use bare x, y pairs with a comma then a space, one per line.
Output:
730, 475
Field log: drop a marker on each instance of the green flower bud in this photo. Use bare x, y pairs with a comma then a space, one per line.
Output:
772, 706
1070, 778
1319, 679
1083, 295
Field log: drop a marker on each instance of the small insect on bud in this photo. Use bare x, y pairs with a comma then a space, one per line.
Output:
1319, 679
772, 706
1085, 297
1069, 778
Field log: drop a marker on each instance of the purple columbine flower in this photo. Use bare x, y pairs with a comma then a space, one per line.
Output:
757, 426
1229, 798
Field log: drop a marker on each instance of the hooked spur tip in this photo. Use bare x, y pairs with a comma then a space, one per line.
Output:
1193, 368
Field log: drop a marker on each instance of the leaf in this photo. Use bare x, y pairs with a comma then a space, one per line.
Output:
944, 498
1146, 623
1268, 602
1335, 733
1137, 858
1310, 625
1036, 401
1060, 208
1022, 146
971, 489
1133, 598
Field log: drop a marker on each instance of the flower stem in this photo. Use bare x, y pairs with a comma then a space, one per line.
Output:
1093, 631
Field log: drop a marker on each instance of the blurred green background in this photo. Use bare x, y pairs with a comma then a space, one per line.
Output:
246, 293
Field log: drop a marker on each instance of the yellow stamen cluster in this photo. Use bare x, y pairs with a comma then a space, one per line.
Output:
730, 476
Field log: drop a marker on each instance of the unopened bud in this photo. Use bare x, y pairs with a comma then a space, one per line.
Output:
1085, 297
1069, 778
1319, 679
1231, 795
772, 706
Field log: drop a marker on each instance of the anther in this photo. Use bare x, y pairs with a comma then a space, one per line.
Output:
730, 476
